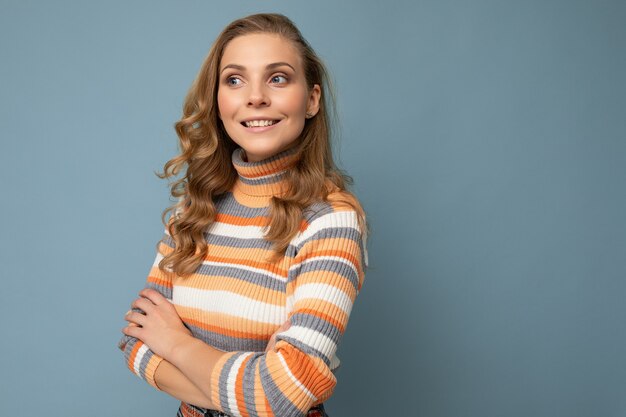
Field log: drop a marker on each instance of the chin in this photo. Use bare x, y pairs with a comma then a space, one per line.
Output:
263, 152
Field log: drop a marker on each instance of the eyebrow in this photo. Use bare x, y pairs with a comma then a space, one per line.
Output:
269, 66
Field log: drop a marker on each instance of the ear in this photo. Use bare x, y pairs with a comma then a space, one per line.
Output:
313, 104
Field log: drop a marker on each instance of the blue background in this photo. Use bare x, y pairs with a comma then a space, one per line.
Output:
487, 140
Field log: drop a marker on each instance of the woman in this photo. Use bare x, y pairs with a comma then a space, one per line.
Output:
265, 253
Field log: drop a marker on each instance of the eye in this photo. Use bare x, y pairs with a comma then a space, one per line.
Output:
279, 79
233, 81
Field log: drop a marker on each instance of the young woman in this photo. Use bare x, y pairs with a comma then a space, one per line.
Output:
265, 252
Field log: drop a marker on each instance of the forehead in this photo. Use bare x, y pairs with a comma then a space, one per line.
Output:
260, 49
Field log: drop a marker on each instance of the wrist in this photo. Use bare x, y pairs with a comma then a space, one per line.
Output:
180, 348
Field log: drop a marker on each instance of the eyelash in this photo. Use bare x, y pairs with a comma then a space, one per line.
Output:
232, 77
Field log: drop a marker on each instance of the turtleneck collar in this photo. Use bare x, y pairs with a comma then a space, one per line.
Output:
259, 181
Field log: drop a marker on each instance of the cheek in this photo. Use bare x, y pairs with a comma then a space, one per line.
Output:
225, 105
294, 103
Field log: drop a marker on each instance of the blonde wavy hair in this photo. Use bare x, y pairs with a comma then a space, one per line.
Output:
206, 151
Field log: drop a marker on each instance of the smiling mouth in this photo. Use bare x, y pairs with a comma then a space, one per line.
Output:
259, 123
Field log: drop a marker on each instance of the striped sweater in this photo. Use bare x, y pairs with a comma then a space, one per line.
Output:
235, 301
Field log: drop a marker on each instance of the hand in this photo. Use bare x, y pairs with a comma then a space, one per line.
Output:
272, 342
159, 326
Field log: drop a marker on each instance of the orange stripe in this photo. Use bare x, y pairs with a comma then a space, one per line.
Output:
332, 252
339, 324
234, 253
241, 221
268, 409
226, 332
241, 404
190, 412
310, 371
133, 355
159, 281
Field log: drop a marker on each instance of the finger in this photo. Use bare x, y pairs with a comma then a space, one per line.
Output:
143, 304
154, 296
133, 331
134, 317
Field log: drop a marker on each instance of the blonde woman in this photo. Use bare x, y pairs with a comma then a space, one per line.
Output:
264, 255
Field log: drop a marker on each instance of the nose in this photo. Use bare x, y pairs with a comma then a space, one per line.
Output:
258, 96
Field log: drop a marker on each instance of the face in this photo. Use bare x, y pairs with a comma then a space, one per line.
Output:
263, 97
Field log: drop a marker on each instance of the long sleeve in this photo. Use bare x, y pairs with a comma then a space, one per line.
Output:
323, 282
139, 358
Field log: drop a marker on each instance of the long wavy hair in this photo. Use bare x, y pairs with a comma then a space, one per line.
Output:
206, 150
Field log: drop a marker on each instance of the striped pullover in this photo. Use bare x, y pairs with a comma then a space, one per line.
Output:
235, 301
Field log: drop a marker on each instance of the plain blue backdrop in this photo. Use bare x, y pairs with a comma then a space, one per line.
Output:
487, 141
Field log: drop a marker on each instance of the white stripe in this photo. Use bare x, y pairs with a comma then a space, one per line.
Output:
264, 272
293, 378
365, 249
231, 230
231, 384
328, 221
312, 338
233, 304
157, 259
328, 293
140, 353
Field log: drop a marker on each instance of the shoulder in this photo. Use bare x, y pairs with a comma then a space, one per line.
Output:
336, 225
338, 205
337, 216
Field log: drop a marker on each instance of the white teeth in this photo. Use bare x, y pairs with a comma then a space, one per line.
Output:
259, 123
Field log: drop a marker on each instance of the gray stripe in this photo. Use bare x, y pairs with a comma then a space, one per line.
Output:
237, 242
248, 386
258, 181
333, 265
227, 343
281, 405
228, 204
130, 343
243, 243
165, 291
316, 210
333, 232
168, 241
258, 278
223, 381
123, 341
317, 324
237, 158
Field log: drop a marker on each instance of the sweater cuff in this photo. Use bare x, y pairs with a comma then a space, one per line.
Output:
217, 391
151, 368
142, 361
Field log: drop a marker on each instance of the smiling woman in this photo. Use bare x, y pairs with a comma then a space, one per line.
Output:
263, 104
264, 255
